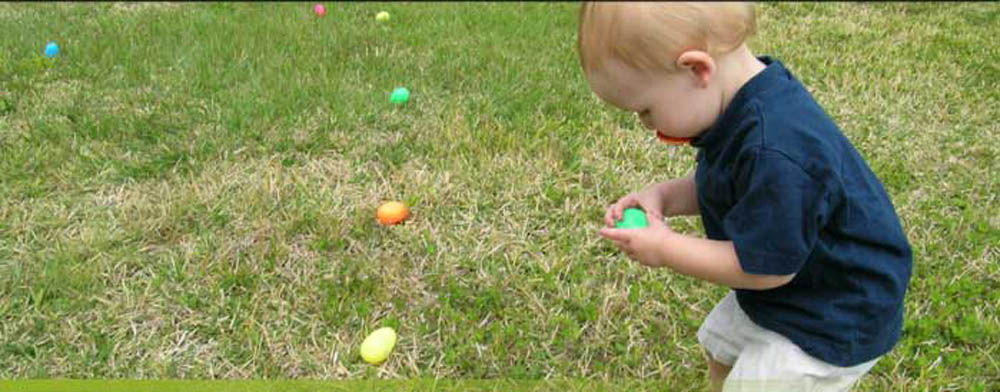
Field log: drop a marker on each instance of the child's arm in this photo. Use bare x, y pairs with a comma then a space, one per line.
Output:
714, 261
680, 196
711, 260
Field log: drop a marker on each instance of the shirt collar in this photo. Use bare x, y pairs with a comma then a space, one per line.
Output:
773, 72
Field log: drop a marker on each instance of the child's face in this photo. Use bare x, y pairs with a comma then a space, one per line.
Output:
673, 104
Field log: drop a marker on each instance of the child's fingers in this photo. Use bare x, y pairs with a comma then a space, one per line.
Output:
614, 212
609, 215
620, 235
621, 205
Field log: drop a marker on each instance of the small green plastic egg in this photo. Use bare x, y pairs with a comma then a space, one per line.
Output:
399, 96
633, 218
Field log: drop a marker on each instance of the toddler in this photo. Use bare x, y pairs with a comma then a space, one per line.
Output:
797, 225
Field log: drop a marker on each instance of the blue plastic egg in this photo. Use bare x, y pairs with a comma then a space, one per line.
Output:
51, 50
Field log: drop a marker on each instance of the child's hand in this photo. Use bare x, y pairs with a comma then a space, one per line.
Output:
642, 245
649, 199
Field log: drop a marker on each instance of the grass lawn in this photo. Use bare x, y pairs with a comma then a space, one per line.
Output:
188, 191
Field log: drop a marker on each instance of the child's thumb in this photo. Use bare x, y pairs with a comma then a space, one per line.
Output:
655, 220
614, 234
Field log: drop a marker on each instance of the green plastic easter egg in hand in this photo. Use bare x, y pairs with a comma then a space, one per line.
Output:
633, 218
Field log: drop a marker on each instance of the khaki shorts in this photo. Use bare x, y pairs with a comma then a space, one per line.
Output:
763, 360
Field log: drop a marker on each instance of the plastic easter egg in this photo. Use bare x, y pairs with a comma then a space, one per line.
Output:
51, 50
399, 96
392, 213
376, 348
633, 218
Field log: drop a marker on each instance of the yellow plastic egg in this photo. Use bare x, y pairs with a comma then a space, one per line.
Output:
376, 348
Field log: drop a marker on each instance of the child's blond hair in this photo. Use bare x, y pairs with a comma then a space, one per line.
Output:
650, 36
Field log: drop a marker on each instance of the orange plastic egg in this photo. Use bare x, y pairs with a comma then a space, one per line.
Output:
392, 213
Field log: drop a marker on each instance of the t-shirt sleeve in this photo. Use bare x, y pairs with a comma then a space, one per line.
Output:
777, 215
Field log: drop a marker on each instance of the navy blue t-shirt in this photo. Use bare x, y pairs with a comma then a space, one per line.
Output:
778, 178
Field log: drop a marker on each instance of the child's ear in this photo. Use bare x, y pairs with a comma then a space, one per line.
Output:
700, 64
